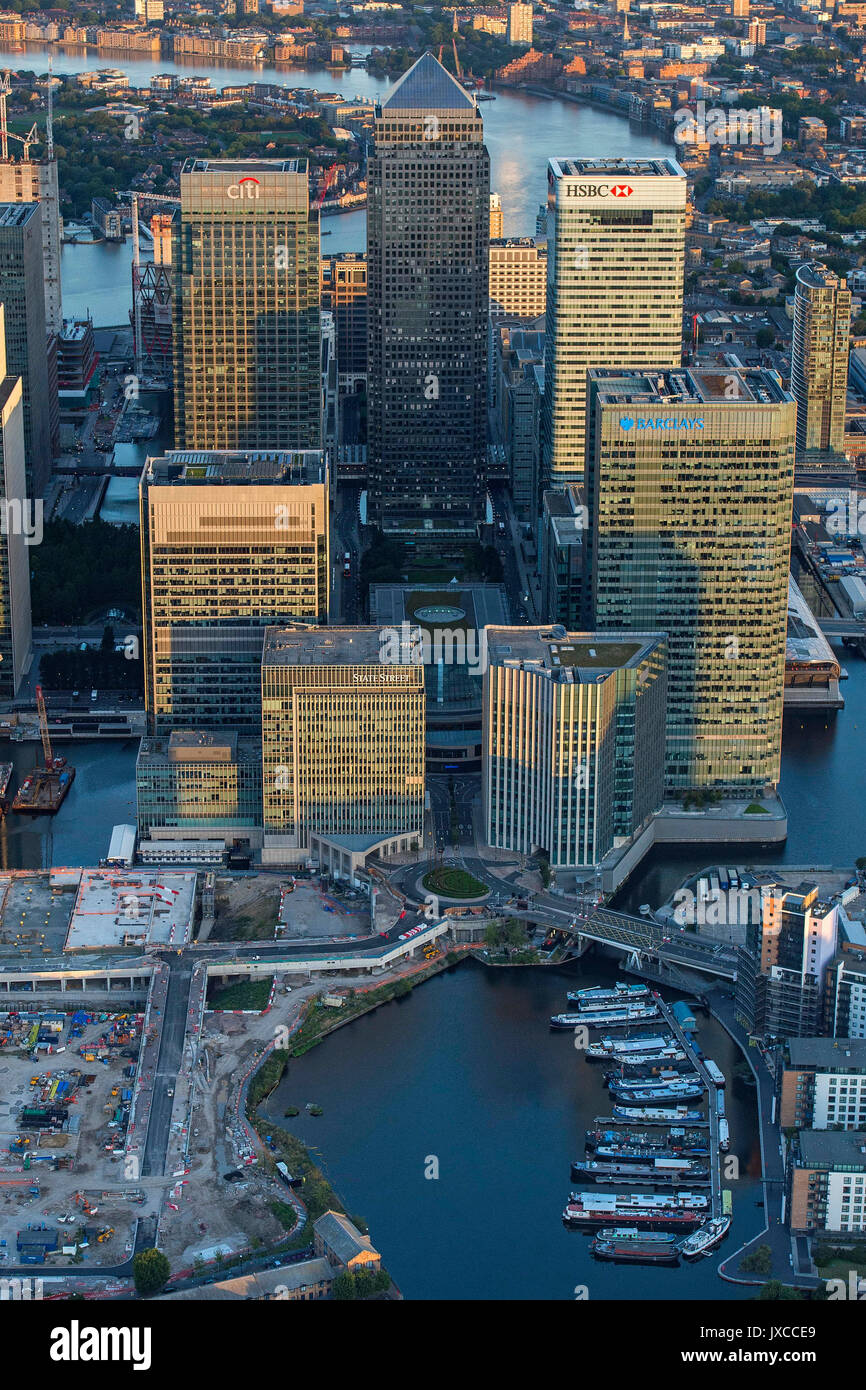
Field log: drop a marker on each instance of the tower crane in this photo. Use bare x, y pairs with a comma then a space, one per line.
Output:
133, 195
5, 133
329, 180
43, 730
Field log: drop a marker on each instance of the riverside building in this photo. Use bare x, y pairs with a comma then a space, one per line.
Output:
573, 751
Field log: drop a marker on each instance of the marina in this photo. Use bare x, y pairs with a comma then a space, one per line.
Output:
639, 1159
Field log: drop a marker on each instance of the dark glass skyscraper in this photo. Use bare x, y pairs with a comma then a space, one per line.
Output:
428, 216
246, 316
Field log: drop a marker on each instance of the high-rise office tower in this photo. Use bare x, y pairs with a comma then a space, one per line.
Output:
20, 522
428, 214
615, 259
495, 216
819, 359
573, 740
518, 278
342, 744
344, 294
246, 313
690, 480
230, 543
35, 181
21, 271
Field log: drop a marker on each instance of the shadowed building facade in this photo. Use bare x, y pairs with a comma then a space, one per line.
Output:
428, 217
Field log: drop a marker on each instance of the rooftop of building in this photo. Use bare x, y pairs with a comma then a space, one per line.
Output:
299, 466
823, 1148
692, 386
616, 168
428, 86
341, 1235
131, 906
17, 214
520, 243
263, 1284
819, 277
828, 1054
439, 605
192, 745
250, 168
326, 646
75, 330
552, 648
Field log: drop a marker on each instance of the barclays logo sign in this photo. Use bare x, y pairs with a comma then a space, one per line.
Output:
659, 423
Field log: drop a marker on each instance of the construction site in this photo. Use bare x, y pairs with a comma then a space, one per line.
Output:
67, 1086
44, 790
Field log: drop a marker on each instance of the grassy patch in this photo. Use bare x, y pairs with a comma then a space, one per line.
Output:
756, 809
285, 1214
244, 994
453, 883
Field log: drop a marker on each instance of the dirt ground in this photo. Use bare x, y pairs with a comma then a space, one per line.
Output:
248, 909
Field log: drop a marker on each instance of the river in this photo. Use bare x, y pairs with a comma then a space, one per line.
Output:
521, 131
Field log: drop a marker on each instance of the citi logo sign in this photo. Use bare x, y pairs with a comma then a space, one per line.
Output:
600, 190
643, 423
247, 187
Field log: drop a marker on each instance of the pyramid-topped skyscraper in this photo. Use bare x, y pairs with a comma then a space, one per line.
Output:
428, 210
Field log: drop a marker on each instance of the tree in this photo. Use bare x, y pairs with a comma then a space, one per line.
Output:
776, 1292
343, 1288
759, 1261
764, 338
150, 1269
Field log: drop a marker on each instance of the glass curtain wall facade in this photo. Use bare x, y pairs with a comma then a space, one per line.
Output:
245, 266
690, 489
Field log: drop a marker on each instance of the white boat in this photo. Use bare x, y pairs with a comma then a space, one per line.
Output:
607, 1018
701, 1241
618, 994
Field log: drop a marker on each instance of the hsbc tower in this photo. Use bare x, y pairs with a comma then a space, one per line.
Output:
615, 263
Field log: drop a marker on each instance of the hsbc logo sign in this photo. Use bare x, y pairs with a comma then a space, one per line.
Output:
244, 188
599, 190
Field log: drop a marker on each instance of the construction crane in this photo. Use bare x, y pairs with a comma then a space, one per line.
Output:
5, 133
43, 729
328, 182
457, 66
49, 85
133, 195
